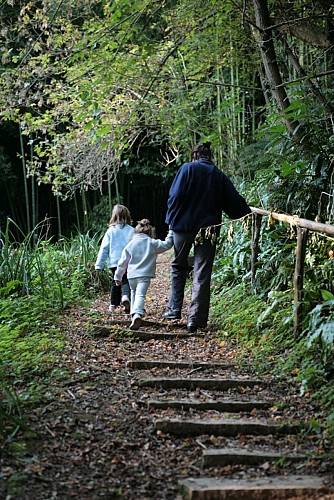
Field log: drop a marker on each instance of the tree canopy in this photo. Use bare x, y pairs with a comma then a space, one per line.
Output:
92, 82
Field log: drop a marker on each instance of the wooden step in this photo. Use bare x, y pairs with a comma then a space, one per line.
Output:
156, 335
221, 427
119, 320
147, 364
124, 331
215, 404
227, 456
213, 384
281, 487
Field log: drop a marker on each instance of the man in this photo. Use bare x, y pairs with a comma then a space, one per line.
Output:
199, 194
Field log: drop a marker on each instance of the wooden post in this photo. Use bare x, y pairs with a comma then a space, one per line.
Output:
299, 277
256, 230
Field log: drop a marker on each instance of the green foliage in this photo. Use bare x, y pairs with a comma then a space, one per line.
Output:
320, 329
100, 214
38, 279
56, 272
11, 416
100, 88
261, 322
225, 312
275, 260
27, 338
29, 344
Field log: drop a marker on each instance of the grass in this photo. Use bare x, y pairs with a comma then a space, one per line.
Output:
38, 279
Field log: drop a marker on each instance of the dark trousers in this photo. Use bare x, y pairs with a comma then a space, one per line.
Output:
204, 254
117, 292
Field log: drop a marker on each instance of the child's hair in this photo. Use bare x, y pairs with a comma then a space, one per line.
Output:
120, 215
144, 226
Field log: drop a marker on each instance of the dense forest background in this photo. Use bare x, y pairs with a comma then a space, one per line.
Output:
105, 99
101, 102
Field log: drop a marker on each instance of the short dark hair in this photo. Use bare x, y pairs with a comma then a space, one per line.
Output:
201, 151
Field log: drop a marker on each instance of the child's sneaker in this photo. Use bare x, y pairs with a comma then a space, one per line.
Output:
136, 322
126, 304
112, 308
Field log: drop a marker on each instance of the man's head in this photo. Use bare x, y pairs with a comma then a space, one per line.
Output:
201, 151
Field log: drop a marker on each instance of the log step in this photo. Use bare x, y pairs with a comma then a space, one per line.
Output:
216, 405
105, 331
221, 427
220, 384
227, 456
142, 335
146, 364
281, 487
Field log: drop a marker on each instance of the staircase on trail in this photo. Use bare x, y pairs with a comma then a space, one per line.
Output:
251, 485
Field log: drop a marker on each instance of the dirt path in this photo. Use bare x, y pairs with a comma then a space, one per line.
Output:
97, 436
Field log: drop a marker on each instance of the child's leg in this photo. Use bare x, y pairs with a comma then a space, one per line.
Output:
115, 291
125, 287
125, 293
133, 286
138, 298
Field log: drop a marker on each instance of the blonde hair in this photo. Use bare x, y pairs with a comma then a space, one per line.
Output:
120, 215
144, 226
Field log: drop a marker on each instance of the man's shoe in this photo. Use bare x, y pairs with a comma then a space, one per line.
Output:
126, 304
172, 314
191, 328
136, 322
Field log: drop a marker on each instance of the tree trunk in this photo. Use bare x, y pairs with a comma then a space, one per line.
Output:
271, 68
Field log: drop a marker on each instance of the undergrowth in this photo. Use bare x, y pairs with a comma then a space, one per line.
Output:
38, 279
258, 317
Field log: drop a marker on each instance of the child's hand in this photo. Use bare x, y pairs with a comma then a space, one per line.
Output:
118, 283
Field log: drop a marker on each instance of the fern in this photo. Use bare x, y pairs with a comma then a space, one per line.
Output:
320, 329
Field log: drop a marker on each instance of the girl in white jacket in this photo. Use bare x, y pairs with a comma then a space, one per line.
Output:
118, 235
139, 259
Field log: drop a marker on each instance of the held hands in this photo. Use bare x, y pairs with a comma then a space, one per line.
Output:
118, 283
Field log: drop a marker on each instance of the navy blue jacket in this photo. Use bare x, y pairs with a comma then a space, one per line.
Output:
199, 194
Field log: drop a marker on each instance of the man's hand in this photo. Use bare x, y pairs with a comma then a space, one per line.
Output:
118, 283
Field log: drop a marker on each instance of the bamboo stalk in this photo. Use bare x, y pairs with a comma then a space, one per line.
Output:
25, 183
58, 216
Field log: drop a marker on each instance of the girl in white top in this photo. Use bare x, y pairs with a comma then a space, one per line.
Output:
139, 259
117, 236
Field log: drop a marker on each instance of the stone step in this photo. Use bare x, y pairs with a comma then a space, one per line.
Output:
213, 384
146, 364
222, 427
215, 404
227, 456
281, 487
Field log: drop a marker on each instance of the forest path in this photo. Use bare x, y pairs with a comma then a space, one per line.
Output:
158, 414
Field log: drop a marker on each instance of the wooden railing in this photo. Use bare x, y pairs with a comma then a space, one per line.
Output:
303, 227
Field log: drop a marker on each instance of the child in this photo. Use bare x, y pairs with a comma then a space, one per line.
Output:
139, 258
117, 236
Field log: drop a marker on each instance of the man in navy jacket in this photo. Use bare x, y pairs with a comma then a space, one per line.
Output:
199, 194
